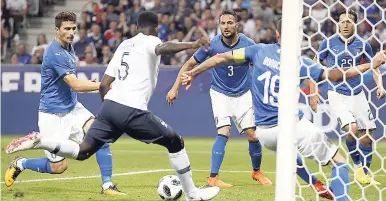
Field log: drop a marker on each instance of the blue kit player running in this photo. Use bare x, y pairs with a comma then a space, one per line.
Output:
230, 96
347, 100
311, 141
61, 116
133, 73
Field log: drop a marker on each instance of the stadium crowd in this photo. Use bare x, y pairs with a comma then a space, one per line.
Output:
104, 24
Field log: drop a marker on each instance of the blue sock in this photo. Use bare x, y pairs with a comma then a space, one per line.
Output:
367, 156
339, 175
256, 154
304, 173
218, 152
352, 148
105, 161
42, 165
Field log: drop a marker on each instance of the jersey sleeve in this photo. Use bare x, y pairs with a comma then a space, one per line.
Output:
311, 70
62, 65
323, 50
152, 43
245, 53
200, 55
368, 52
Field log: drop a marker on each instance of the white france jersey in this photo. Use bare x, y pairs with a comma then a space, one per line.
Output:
135, 67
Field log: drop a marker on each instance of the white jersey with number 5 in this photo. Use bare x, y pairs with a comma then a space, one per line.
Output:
135, 68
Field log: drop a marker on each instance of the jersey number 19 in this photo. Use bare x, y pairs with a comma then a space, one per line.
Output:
269, 88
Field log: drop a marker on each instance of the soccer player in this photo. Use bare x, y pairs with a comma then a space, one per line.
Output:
133, 73
311, 141
230, 95
347, 100
61, 116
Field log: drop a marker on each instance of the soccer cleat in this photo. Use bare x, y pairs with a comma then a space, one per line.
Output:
29, 141
203, 194
215, 181
259, 176
112, 190
322, 190
360, 175
12, 172
373, 181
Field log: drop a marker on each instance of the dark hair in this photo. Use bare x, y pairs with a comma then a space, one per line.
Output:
278, 26
229, 12
64, 16
349, 12
147, 19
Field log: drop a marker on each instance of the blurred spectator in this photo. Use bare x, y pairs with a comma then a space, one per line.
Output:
163, 28
89, 60
34, 60
265, 13
132, 31
372, 11
3, 42
212, 28
22, 55
14, 58
109, 33
94, 13
116, 41
148, 4
248, 24
39, 55
259, 31
134, 11
107, 55
97, 39
18, 11
81, 44
319, 13
123, 23
381, 32
269, 37
112, 14
104, 24
41, 42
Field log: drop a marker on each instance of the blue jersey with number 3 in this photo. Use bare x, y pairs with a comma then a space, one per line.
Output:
336, 54
266, 76
231, 79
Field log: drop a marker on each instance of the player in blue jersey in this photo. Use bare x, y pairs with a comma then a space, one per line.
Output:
230, 95
347, 100
61, 116
311, 141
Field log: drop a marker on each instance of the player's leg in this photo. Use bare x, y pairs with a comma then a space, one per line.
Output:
146, 127
341, 108
221, 106
313, 143
243, 117
366, 125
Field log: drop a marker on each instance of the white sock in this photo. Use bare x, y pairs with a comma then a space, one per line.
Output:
107, 185
66, 148
181, 164
19, 164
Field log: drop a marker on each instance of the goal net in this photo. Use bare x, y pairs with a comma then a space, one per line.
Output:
354, 102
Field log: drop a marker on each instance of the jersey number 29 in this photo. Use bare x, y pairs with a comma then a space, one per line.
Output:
269, 88
124, 64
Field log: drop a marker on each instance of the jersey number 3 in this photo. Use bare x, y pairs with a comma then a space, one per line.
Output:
124, 64
269, 88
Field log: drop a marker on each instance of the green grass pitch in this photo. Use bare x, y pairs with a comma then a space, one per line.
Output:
138, 167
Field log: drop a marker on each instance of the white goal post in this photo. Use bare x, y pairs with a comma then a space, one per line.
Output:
288, 100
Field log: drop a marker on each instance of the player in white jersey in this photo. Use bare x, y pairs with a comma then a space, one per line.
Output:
132, 73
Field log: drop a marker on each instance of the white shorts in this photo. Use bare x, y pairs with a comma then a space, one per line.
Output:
64, 126
351, 109
239, 109
311, 142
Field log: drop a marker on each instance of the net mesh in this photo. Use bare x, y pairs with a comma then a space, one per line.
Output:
321, 22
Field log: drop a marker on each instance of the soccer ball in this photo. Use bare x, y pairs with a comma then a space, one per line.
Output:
169, 188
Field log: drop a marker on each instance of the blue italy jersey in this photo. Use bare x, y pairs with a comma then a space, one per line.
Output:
266, 76
333, 50
56, 96
231, 79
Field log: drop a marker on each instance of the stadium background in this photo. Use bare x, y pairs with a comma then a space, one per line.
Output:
28, 26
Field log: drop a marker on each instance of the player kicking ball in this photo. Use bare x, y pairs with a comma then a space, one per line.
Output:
61, 116
311, 141
347, 99
133, 73
231, 97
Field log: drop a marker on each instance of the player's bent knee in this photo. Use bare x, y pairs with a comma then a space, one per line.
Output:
87, 125
352, 128
338, 158
250, 133
173, 142
225, 130
59, 167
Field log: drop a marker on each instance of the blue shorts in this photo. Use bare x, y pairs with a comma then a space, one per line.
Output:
115, 119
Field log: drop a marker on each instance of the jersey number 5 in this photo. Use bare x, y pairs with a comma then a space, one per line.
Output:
126, 65
269, 88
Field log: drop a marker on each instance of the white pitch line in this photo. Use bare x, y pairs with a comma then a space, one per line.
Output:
137, 173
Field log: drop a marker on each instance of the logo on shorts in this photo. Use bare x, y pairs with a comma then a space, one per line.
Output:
163, 123
216, 120
371, 117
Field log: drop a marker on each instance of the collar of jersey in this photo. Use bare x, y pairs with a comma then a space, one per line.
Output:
230, 46
58, 44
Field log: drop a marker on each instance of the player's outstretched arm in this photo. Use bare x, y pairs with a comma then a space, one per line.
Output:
172, 47
105, 85
80, 85
173, 92
339, 74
